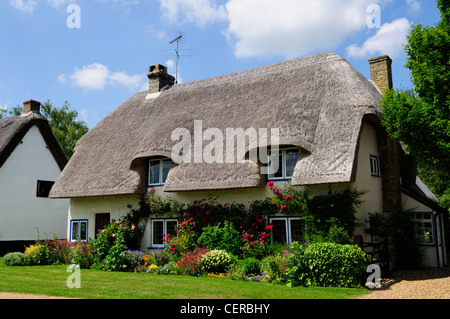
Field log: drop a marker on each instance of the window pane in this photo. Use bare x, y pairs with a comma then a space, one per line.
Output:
291, 160
279, 172
83, 231
171, 227
154, 173
297, 230
279, 231
75, 230
157, 231
166, 168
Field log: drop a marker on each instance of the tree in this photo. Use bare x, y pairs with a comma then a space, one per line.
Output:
63, 121
420, 117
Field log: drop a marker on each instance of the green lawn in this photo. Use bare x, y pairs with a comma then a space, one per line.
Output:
52, 280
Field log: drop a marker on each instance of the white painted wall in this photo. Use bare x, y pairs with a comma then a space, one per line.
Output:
20, 209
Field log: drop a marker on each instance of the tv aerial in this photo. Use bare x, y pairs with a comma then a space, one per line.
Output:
177, 52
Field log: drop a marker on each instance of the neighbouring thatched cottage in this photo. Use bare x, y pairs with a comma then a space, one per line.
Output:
30, 162
329, 137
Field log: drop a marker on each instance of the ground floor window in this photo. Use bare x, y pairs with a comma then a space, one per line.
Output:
160, 227
424, 227
287, 229
79, 229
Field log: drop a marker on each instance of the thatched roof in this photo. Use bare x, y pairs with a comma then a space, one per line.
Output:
317, 102
13, 129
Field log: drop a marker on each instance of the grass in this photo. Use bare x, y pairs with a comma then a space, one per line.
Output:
95, 284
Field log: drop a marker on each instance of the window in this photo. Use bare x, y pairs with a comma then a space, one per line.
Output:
374, 167
424, 227
286, 163
78, 230
160, 226
158, 171
43, 188
287, 229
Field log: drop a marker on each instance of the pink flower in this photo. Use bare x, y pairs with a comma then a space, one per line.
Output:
283, 207
114, 235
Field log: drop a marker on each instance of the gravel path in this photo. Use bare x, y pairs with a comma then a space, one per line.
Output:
430, 283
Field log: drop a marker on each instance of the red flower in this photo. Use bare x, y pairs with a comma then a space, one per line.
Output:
269, 227
288, 198
283, 207
270, 184
191, 219
246, 236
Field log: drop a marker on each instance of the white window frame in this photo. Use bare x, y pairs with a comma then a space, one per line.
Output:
78, 235
420, 223
287, 220
164, 221
161, 170
374, 166
284, 176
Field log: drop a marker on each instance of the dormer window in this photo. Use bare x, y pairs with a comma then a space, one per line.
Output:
158, 171
287, 158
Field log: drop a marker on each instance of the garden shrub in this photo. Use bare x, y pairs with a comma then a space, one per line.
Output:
109, 248
215, 261
221, 238
334, 265
82, 255
14, 259
190, 263
251, 266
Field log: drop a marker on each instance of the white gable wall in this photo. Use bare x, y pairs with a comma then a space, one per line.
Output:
20, 209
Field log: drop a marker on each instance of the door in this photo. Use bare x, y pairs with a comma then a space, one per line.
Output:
101, 220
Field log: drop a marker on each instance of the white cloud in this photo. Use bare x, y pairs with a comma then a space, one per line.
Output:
58, 4
414, 5
97, 76
292, 28
388, 40
26, 6
200, 12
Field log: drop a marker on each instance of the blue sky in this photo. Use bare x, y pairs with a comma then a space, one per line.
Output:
96, 53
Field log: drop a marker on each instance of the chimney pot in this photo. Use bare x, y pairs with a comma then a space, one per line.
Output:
31, 106
381, 72
159, 78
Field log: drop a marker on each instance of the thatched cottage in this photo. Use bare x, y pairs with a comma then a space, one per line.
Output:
30, 162
329, 136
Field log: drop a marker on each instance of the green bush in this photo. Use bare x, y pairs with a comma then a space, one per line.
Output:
14, 259
334, 265
215, 261
221, 238
251, 266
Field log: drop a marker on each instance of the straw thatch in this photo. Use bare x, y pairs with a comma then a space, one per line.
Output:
317, 102
13, 129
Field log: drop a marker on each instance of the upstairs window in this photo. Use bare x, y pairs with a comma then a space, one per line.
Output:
43, 188
287, 158
158, 171
374, 166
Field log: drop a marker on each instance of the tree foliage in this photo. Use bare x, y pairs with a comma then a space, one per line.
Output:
420, 117
63, 121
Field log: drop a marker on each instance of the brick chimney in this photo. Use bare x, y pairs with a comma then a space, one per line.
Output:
381, 72
159, 78
31, 106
